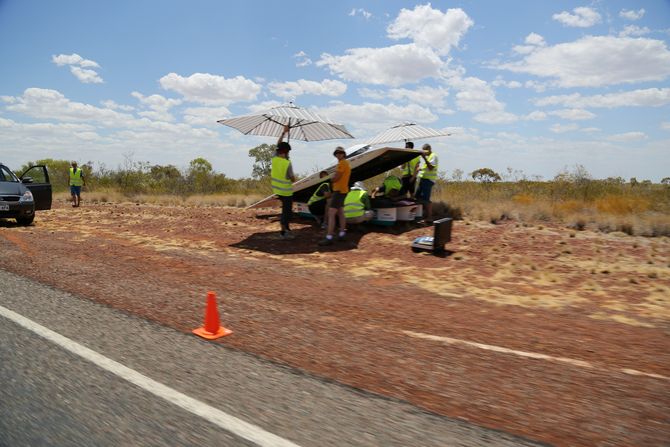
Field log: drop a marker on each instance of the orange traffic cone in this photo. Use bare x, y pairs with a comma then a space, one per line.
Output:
212, 328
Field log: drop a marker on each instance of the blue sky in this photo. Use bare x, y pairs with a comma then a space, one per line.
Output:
533, 86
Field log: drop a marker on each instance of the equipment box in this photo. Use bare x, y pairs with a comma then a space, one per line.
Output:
435, 243
384, 216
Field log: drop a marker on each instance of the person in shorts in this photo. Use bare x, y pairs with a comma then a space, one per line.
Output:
340, 189
76, 181
427, 179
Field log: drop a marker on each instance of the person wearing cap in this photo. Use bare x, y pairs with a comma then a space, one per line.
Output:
427, 179
282, 179
357, 206
76, 181
410, 171
340, 189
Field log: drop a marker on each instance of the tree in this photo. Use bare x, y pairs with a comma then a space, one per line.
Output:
485, 175
457, 175
200, 175
199, 166
263, 160
665, 181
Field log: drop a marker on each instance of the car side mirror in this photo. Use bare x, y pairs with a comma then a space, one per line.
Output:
27, 180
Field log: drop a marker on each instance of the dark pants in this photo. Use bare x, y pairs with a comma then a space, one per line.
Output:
408, 186
286, 211
318, 209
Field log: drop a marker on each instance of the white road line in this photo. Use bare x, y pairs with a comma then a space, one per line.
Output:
230, 423
532, 355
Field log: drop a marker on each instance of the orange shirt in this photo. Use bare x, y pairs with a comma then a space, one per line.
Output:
342, 185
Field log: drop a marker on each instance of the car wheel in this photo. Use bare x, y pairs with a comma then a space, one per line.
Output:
25, 220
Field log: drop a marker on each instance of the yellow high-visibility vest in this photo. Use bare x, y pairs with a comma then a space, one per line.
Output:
429, 174
280, 184
320, 193
353, 204
408, 171
391, 182
75, 177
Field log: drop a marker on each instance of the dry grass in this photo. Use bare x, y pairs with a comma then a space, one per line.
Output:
639, 212
113, 196
596, 206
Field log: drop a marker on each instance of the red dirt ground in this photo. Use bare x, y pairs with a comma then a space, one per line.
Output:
555, 335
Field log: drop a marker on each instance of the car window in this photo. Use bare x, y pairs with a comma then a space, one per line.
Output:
6, 175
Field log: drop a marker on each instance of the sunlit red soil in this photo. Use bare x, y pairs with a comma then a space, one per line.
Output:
556, 335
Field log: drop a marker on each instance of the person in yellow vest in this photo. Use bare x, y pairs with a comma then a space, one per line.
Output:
282, 178
76, 181
390, 189
410, 171
340, 189
357, 205
319, 200
427, 179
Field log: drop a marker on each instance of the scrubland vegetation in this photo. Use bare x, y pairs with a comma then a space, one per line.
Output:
572, 198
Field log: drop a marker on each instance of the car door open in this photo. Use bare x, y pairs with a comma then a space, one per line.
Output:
36, 179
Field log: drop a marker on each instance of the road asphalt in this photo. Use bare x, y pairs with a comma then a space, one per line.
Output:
76, 373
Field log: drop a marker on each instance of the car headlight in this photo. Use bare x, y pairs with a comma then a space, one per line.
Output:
26, 197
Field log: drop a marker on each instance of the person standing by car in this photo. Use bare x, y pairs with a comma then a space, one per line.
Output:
76, 181
282, 179
340, 190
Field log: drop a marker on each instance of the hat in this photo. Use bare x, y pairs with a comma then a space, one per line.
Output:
283, 147
339, 149
359, 186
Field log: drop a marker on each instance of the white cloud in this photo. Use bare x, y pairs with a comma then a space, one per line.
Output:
293, 89
81, 68
156, 102
536, 115
86, 76
583, 17
532, 41
159, 106
499, 82
263, 106
394, 65
374, 116
651, 97
303, 59
631, 14
499, 117
476, 96
597, 61
634, 30
427, 96
208, 89
426, 26
665, 125
51, 104
360, 11
110, 104
535, 85
205, 116
563, 128
628, 136
573, 114
73, 59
